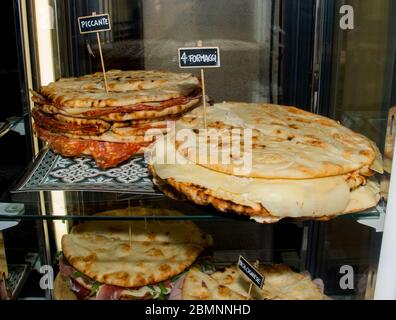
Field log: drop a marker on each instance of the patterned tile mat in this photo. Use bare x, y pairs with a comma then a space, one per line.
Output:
52, 172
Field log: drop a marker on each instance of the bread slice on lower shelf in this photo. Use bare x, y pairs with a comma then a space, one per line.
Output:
200, 286
62, 290
281, 283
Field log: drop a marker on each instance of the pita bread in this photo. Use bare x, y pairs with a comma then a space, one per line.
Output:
264, 200
160, 122
200, 286
362, 198
125, 88
111, 136
157, 250
81, 121
148, 114
142, 115
95, 129
288, 143
280, 283
117, 262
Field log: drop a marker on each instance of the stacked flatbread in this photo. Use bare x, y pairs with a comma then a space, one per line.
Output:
77, 117
275, 162
281, 283
107, 260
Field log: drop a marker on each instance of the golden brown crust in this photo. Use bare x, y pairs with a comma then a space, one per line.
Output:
138, 115
111, 262
202, 196
148, 114
200, 286
281, 283
323, 146
125, 88
156, 251
199, 195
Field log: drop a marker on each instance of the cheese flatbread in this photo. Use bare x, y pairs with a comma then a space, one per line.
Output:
200, 286
287, 143
264, 200
125, 88
281, 283
156, 250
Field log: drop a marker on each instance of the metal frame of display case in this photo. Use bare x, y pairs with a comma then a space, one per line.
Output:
385, 282
385, 287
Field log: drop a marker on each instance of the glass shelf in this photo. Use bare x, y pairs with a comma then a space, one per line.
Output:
87, 205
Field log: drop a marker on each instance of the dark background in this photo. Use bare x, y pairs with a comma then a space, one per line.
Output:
13, 146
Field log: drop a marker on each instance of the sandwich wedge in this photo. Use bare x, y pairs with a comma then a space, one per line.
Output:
107, 260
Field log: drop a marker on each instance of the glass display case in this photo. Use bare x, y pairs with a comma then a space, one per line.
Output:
322, 56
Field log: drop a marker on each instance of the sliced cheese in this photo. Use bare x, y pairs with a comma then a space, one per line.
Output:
281, 197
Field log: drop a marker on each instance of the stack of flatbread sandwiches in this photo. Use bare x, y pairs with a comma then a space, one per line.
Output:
268, 162
117, 260
77, 117
281, 283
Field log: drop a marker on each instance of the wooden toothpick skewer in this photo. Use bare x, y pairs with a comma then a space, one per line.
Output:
199, 44
101, 58
250, 290
130, 225
130, 235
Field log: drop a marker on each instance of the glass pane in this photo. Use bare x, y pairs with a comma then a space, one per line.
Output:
362, 61
363, 68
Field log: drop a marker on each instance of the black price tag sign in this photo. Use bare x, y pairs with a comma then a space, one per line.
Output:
96, 23
251, 272
199, 57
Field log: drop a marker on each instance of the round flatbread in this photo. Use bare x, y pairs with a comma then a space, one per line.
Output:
264, 200
148, 114
107, 114
125, 88
156, 250
119, 263
305, 207
285, 142
281, 283
200, 286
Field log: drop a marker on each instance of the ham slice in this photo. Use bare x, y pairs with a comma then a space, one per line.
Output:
80, 292
54, 125
65, 268
107, 292
176, 293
